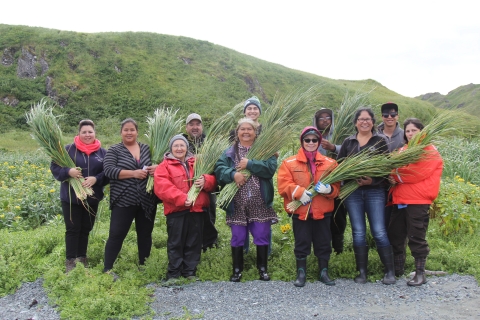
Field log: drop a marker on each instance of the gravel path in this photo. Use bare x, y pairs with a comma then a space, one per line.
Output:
448, 297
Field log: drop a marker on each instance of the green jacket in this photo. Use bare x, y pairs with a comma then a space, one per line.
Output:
263, 169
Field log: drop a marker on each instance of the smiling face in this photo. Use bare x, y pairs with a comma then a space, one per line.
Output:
324, 121
246, 134
129, 133
252, 112
179, 149
87, 134
364, 122
310, 142
194, 128
390, 121
410, 131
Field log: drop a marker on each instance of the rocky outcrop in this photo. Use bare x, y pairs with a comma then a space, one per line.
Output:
8, 56
9, 101
52, 93
26, 64
255, 88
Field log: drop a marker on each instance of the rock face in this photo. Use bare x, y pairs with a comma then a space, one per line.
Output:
26, 64
10, 101
7, 57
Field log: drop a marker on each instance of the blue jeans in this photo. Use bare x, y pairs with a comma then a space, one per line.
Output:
372, 202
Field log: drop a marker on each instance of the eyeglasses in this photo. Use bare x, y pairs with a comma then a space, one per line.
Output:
391, 114
364, 119
310, 140
324, 119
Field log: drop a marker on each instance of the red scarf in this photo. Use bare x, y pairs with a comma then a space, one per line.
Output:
87, 148
310, 155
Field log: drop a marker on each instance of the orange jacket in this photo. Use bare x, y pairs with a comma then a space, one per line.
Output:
294, 176
419, 182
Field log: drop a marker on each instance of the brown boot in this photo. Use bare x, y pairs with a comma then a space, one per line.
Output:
419, 277
69, 265
399, 261
82, 260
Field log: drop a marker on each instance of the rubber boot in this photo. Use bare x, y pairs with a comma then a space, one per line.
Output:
419, 277
337, 243
301, 272
323, 277
82, 260
361, 258
70, 264
262, 256
237, 257
399, 261
386, 256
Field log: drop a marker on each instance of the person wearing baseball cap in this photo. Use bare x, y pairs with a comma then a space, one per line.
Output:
194, 132
390, 127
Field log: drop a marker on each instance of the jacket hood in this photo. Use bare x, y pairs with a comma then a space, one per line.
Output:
317, 115
311, 130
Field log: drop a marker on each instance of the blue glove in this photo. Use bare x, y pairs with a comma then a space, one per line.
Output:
306, 197
323, 188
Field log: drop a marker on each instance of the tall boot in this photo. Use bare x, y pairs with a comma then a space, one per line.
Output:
70, 264
301, 272
399, 261
386, 256
419, 277
337, 243
323, 277
262, 256
361, 258
237, 258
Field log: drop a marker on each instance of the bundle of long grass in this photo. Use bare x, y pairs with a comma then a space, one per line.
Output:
47, 133
280, 122
161, 127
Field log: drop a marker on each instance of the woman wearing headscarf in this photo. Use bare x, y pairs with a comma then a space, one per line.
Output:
251, 208
87, 154
173, 179
311, 221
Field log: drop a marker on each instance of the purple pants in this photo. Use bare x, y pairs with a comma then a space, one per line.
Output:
259, 230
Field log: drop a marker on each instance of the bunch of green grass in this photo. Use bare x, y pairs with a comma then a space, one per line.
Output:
48, 134
161, 128
280, 122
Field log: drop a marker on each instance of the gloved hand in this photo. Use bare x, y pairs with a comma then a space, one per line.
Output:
323, 188
305, 198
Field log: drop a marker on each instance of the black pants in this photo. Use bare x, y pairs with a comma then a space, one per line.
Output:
210, 233
411, 223
339, 218
79, 222
120, 222
311, 231
184, 243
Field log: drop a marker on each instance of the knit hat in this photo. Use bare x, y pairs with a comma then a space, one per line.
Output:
253, 100
311, 130
193, 116
175, 138
386, 107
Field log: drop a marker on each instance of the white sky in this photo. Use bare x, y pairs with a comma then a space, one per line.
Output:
411, 47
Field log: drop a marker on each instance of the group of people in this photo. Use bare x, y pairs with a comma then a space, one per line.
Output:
320, 220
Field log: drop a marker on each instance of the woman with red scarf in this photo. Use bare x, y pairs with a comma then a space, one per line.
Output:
87, 154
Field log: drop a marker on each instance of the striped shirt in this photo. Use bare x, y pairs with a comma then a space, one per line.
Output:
132, 191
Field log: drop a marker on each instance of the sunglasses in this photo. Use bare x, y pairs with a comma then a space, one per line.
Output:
391, 114
310, 140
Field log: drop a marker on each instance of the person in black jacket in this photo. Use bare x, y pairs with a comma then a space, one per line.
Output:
128, 165
87, 154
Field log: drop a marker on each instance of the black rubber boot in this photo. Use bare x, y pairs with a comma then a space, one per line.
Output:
399, 261
386, 256
337, 243
301, 272
237, 258
262, 256
419, 277
323, 277
361, 258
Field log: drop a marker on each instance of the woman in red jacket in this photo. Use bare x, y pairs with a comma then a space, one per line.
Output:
311, 221
415, 188
172, 180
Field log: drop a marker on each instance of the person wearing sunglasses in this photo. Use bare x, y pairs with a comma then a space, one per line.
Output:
311, 221
368, 199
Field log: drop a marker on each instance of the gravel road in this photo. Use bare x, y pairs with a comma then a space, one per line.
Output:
448, 297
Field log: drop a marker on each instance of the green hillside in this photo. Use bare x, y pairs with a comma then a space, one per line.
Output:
118, 75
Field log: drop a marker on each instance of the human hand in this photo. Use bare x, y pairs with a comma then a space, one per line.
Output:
392, 180
151, 169
89, 182
140, 174
327, 145
200, 182
306, 197
322, 188
364, 181
75, 173
188, 203
242, 165
240, 179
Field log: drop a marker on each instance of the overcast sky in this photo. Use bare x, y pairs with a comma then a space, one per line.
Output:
411, 47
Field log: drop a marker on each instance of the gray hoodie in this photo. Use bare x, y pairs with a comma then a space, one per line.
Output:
330, 132
396, 141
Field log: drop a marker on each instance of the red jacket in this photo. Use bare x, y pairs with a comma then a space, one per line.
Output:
419, 182
294, 177
171, 185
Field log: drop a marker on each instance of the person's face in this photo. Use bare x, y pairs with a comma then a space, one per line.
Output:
252, 112
411, 131
364, 122
390, 118
324, 121
129, 133
179, 149
310, 142
194, 128
87, 134
246, 133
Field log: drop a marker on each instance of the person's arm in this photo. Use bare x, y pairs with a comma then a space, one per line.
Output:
224, 172
263, 168
113, 172
164, 187
419, 170
287, 188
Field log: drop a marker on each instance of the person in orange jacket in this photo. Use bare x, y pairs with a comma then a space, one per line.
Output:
415, 188
172, 180
311, 221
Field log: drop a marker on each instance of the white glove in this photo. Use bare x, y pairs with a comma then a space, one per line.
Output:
305, 198
323, 188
